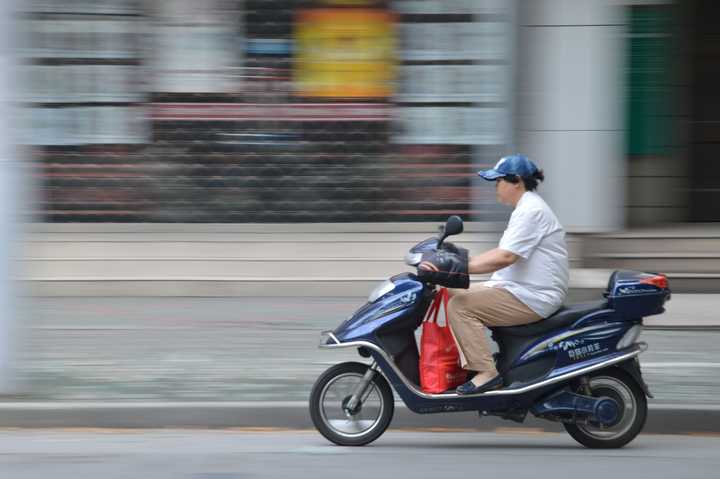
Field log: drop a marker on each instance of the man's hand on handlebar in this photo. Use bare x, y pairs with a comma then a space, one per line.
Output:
445, 268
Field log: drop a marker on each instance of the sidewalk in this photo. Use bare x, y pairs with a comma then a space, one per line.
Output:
689, 311
250, 362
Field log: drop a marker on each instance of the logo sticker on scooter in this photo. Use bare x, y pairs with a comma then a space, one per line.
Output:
408, 298
565, 345
627, 290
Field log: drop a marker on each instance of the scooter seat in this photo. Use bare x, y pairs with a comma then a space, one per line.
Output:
565, 316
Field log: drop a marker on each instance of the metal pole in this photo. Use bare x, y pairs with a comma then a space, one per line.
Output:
9, 196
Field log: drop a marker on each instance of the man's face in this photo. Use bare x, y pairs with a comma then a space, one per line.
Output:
506, 191
502, 188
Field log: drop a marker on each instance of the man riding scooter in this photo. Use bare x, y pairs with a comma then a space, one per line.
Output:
529, 269
579, 365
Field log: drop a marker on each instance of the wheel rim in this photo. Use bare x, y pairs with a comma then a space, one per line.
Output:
335, 395
627, 408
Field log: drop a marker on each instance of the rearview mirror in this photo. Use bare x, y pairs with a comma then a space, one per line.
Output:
453, 226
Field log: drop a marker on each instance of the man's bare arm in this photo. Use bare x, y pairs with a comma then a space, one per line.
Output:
491, 261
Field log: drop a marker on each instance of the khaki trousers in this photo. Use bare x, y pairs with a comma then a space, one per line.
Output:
471, 310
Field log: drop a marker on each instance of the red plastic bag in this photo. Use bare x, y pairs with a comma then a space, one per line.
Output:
439, 357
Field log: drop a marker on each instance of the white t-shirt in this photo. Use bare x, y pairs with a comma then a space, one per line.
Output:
539, 278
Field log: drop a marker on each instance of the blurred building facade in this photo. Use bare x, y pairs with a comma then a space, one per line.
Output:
245, 111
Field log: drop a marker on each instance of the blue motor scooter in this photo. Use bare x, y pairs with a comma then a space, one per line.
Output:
579, 366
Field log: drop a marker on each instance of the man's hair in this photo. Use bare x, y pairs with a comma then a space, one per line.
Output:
530, 182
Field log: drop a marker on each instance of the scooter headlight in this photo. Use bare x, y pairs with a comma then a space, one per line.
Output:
413, 259
382, 289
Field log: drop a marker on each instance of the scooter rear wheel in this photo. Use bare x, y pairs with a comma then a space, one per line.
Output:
329, 398
621, 387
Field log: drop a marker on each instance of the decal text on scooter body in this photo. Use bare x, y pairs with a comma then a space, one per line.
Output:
585, 351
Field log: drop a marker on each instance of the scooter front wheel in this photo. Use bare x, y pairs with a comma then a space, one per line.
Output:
330, 398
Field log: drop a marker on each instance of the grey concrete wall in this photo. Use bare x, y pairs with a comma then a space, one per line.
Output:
569, 111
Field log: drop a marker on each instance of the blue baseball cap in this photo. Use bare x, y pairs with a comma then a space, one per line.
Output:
510, 165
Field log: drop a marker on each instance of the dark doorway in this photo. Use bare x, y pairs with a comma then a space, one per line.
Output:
705, 114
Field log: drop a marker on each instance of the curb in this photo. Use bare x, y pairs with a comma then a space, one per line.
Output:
679, 327
662, 418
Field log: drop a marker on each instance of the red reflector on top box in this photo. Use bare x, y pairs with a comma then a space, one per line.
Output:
660, 281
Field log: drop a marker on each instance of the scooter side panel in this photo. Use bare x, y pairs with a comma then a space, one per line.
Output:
573, 348
590, 343
575, 344
526, 360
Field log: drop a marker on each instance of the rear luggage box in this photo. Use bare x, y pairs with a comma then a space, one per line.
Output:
634, 294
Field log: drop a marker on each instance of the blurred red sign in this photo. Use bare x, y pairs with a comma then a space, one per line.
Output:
270, 112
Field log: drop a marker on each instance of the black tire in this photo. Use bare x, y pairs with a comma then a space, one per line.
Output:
633, 409
379, 389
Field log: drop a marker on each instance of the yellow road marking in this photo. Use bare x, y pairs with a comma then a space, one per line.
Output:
528, 431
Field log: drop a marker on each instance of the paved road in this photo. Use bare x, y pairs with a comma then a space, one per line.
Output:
233, 454
239, 349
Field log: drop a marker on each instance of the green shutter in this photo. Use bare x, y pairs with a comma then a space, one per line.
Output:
648, 94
